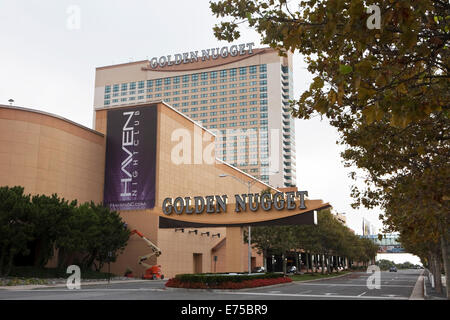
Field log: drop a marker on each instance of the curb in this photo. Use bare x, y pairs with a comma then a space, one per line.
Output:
63, 285
419, 290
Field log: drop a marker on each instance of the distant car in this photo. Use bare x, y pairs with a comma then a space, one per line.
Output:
259, 270
392, 269
292, 269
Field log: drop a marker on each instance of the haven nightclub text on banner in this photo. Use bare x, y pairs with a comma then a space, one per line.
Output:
131, 158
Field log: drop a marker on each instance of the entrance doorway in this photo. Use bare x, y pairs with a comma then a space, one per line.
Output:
198, 257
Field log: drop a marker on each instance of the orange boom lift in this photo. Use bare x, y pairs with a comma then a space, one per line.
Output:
152, 272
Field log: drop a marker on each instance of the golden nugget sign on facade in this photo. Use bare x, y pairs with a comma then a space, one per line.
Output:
218, 204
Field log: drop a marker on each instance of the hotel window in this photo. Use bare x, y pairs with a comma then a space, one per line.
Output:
176, 79
244, 116
176, 86
233, 118
263, 109
243, 110
233, 72
107, 89
223, 99
194, 115
176, 104
253, 96
233, 111
194, 90
213, 100
149, 83
243, 78
252, 103
142, 97
213, 120
243, 90
263, 95
263, 122
166, 94
212, 107
213, 88
194, 96
263, 102
252, 69
263, 89
132, 98
203, 83
223, 73
232, 79
184, 110
204, 101
141, 91
204, 95
115, 94
213, 94
223, 112
204, 89
123, 99
213, 74
194, 102
132, 85
115, 88
167, 81
213, 126
194, 84
132, 92
158, 82
124, 87
233, 85
185, 85
204, 108
107, 96
123, 93
213, 82
243, 84
253, 122
223, 106
186, 78
184, 104
176, 99
263, 115
141, 84
204, 76
263, 76
194, 109
194, 77
223, 119
243, 103
107, 102
242, 97
223, 125
263, 68
263, 82
156, 95
204, 114
234, 104
253, 115
149, 96
252, 76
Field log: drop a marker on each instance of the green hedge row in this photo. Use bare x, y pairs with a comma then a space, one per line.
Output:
213, 278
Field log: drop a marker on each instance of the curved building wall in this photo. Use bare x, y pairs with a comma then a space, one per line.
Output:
47, 154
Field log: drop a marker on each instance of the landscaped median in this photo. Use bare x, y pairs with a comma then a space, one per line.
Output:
226, 281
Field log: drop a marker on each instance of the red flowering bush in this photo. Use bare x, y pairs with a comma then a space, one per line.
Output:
245, 283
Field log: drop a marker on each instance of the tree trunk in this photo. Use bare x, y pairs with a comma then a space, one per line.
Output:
296, 262
437, 273
10, 262
284, 262
2, 259
322, 264
445, 257
307, 261
265, 260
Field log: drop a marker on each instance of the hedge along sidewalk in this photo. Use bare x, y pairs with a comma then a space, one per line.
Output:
320, 277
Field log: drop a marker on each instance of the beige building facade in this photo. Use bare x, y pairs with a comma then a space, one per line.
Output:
47, 154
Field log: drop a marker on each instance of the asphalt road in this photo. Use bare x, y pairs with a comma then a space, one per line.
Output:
393, 286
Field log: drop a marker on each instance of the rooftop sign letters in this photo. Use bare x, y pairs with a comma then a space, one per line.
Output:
217, 204
206, 54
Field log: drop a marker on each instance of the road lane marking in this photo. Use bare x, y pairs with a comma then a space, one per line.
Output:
360, 295
351, 285
313, 295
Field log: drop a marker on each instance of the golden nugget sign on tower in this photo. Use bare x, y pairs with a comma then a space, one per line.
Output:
217, 204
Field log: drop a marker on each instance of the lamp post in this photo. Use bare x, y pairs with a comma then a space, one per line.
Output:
249, 185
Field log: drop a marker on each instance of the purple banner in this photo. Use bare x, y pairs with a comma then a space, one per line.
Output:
130, 166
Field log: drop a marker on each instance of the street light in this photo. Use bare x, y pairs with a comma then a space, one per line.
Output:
249, 185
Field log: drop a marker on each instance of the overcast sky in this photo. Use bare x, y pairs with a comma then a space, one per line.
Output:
50, 49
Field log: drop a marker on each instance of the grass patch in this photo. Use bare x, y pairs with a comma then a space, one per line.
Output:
314, 276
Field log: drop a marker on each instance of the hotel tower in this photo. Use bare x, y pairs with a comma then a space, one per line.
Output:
240, 93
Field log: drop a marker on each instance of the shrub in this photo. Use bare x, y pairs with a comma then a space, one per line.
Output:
214, 281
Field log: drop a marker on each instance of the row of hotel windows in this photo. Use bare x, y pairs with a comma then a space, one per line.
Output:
235, 124
193, 77
203, 95
193, 103
223, 106
244, 116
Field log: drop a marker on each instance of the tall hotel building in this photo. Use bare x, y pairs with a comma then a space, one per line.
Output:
239, 92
